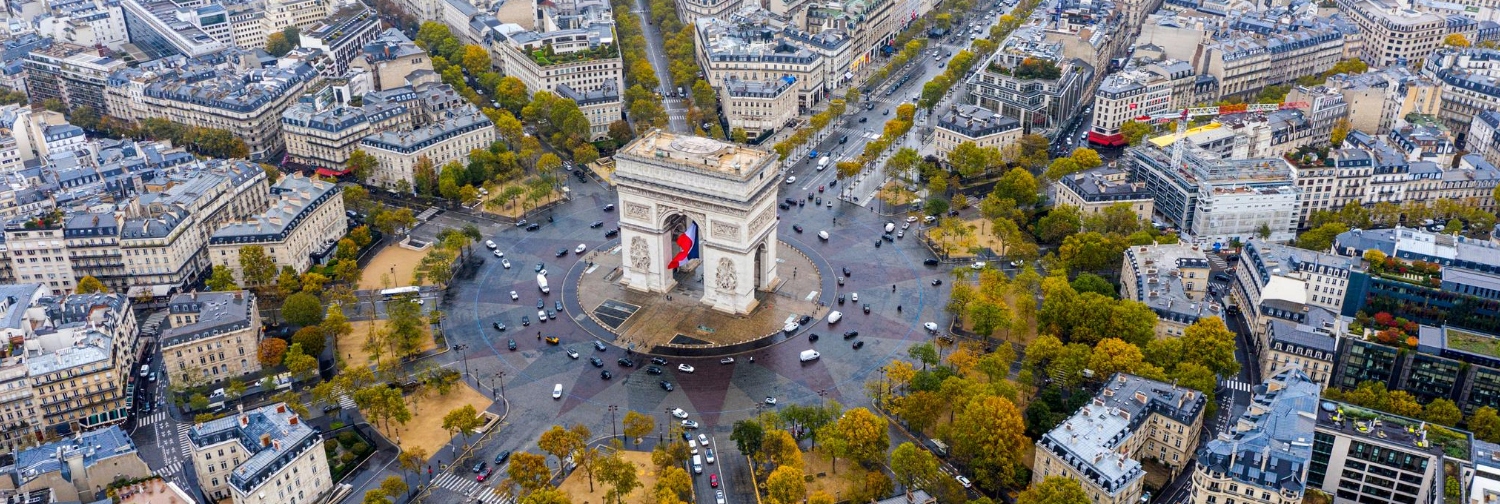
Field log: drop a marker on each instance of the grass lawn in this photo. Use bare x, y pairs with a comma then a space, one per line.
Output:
514, 208
392, 267
815, 463
577, 484
961, 247
893, 193
1473, 343
425, 429
352, 347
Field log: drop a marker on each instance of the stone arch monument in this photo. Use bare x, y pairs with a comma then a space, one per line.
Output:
669, 183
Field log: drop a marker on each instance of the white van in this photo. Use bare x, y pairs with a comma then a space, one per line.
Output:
693, 446
557, 391
823, 235
810, 355
823, 163
145, 370
697, 464
835, 316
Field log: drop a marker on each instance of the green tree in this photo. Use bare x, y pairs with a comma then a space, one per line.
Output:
970, 160
1060, 222
1210, 343
1061, 167
619, 475
1134, 132
89, 285
911, 464
785, 486
303, 309
748, 436
362, 164
299, 363
1019, 186
392, 485
1443, 412
463, 420
738, 135
1485, 422
1053, 490
256, 267
278, 45
312, 338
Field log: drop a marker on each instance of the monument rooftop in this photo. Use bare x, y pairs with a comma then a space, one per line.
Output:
698, 153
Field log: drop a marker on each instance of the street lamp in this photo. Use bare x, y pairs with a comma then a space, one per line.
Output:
501, 376
464, 356
612, 410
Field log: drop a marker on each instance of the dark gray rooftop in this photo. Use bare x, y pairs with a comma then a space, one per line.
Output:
1270, 446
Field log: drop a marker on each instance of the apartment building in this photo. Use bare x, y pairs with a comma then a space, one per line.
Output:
85, 23
759, 107
602, 106
574, 45
1460, 293
1219, 200
77, 363
1265, 454
302, 226
1365, 455
1423, 138
1276, 281
342, 36
1394, 35
165, 233
247, 103
748, 46
93, 244
1372, 170
213, 336
39, 254
1172, 280
690, 11
1091, 32
1467, 83
1130, 418
20, 420
1309, 345
76, 468
1125, 96
74, 75
391, 59
1092, 191
320, 132
262, 456
964, 123
155, 28
1028, 78
252, 22
1483, 138
450, 137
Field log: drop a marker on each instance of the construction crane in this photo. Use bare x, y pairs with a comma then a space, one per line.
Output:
1179, 143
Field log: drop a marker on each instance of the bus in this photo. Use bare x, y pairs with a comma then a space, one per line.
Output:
389, 294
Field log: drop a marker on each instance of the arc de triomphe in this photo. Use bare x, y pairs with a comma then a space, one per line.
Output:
666, 183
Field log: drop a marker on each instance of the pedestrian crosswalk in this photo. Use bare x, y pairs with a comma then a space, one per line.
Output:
171, 469
467, 486
182, 439
1236, 385
150, 418
345, 402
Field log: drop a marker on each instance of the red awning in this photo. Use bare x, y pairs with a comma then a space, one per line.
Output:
329, 172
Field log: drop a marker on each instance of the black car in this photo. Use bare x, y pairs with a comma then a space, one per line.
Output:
598, 346
937, 281
511, 344
562, 252
625, 362
596, 225
790, 201
605, 375
1232, 310
1232, 258
851, 334
805, 319
611, 233
538, 269
1221, 277
533, 226
557, 304
540, 304
844, 140
666, 385
653, 370
866, 308
859, 344
930, 262
797, 228
478, 468
525, 320
841, 299
597, 362
847, 272
888, 238
812, 337
863, 119
502, 457
783, 206
498, 326
609, 208
658, 361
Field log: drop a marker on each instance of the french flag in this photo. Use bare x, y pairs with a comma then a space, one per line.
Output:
688, 241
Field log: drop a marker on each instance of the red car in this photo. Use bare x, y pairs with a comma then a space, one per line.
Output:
713, 480
482, 475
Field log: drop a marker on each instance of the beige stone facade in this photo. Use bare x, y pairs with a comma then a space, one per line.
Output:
305, 219
213, 337
971, 124
262, 456
85, 387
1393, 32
449, 139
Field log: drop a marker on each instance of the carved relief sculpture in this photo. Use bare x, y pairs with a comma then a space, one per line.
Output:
726, 278
640, 257
638, 211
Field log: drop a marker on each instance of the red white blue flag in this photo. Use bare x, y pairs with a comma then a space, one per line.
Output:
688, 241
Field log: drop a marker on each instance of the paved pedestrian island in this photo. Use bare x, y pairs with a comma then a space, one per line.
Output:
644, 321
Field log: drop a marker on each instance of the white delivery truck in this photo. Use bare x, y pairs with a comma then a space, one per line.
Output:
810, 355
823, 163
541, 281
835, 316
697, 464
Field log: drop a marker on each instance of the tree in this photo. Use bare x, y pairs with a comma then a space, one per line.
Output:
299, 363
1210, 343
865, 435
739, 135
990, 434
1089, 282
392, 485
1341, 129
1403, 403
969, 159
785, 486
475, 59
529, 471
1061, 167
362, 164
1486, 424
303, 309
911, 464
463, 420
559, 442
1017, 185
1086, 158
271, 352
619, 474
278, 45
780, 449
748, 436
638, 426
1134, 132
1059, 223
1113, 355
1443, 412
376, 495
312, 338
1456, 40
412, 459
1053, 490
221, 279
256, 267
89, 285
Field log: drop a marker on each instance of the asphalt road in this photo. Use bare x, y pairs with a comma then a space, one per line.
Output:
676, 109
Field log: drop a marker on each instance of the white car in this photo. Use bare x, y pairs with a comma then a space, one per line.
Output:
718, 497
791, 180
964, 481
499, 254
911, 219
490, 244
693, 446
685, 368
854, 296
541, 315
703, 440
514, 296
505, 263
679, 413
930, 326
771, 400
572, 354
581, 247
979, 265
557, 391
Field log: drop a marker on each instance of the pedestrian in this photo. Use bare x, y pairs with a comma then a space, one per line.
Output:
893, 287
898, 308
